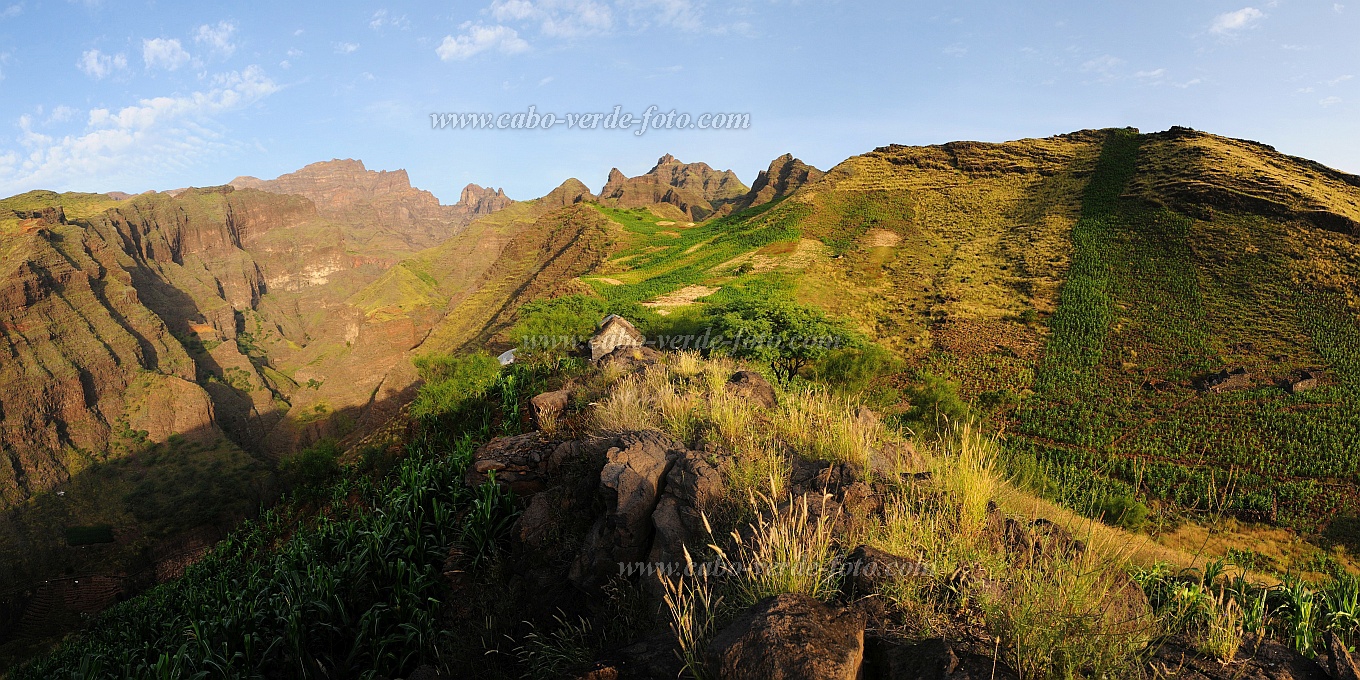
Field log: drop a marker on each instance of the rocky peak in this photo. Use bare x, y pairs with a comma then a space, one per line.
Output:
784, 176
569, 192
478, 200
695, 189
615, 181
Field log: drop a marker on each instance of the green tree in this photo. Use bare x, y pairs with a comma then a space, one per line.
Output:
776, 330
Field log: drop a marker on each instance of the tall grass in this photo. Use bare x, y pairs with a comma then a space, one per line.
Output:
686, 397
1066, 620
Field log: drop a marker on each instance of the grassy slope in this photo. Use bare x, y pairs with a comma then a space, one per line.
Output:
935, 251
1157, 295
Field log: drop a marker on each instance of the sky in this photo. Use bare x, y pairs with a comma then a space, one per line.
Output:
103, 95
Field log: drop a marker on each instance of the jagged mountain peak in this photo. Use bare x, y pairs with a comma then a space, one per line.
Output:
695, 189
784, 176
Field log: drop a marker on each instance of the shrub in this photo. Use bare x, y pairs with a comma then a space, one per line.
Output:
935, 403
858, 371
776, 330
452, 383
1124, 511
313, 465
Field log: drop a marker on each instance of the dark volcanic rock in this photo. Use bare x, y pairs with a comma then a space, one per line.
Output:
548, 405
754, 387
867, 569
691, 485
630, 487
517, 462
933, 659
789, 637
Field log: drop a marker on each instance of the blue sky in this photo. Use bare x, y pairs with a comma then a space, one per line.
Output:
102, 95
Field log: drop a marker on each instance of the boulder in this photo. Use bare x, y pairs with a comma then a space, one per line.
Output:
691, 485
630, 488
654, 656
1227, 380
549, 405
1339, 660
1038, 540
821, 476
753, 387
868, 569
861, 500
631, 359
615, 332
932, 659
1304, 381
788, 637
518, 463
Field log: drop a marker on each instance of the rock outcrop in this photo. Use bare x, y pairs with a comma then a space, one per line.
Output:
630, 487
695, 190
784, 176
790, 637
754, 387
615, 332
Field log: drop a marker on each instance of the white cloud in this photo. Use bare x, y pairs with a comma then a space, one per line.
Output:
956, 50
1330, 101
218, 37
164, 53
61, 114
346, 48
12, 11
160, 132
1231, 22
1155, 74
545, 81
477, 38
97, 65
1103, 65
1340, 79
1189, 83
685, 15
1338, 7
557, 18
381, 19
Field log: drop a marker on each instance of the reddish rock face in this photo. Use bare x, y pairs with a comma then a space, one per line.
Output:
784, 176
694, 189
383, 202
